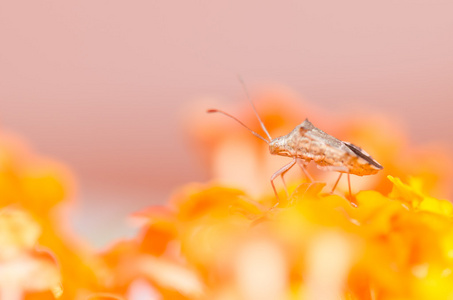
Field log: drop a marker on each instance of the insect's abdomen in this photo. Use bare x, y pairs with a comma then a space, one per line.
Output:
335, 159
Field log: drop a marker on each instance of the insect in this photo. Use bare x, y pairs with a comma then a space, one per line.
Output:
306, 143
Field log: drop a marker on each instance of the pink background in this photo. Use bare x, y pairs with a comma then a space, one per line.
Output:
101, 85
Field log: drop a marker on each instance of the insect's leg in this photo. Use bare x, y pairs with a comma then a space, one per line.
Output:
283, 178
351, 199
284, 183
349, 185
302, 166
281, 171
336, 183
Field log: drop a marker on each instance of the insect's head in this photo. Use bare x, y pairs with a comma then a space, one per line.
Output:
278, 147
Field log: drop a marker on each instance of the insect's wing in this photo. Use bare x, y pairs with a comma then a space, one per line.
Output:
362, 154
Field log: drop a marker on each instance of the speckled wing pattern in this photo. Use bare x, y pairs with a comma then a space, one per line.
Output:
331, 153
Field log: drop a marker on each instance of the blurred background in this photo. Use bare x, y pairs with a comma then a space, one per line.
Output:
104, 86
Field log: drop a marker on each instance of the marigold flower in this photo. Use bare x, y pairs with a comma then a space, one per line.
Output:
228, 240
316, 247
39, 187
24, 267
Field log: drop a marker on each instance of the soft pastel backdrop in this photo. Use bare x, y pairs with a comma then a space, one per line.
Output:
104, 85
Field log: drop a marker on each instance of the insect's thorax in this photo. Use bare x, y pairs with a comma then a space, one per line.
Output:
294, 145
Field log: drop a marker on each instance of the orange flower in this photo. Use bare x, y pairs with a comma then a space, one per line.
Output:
227, 239
40, 187
316, 247
24, 266
431, 164
224, 240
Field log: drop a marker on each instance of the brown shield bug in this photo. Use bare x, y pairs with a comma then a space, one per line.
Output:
307, 143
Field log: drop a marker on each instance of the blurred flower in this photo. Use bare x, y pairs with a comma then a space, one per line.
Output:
24, 267
226, 246
40, 189
389, 144
227, 239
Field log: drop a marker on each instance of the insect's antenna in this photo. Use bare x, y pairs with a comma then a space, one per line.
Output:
253, 106
234, 118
